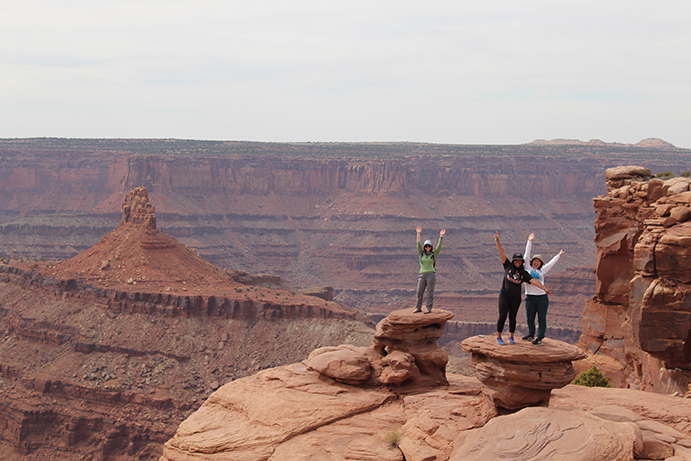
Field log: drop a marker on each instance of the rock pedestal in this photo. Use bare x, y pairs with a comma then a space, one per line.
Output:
521, 375
404, 351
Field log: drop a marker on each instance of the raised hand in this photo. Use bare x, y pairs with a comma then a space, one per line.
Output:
418, 229
496, 237
531, 237
561, 252
442, 232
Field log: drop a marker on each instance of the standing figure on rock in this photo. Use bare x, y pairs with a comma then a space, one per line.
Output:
428, 273
510, 294
536, 300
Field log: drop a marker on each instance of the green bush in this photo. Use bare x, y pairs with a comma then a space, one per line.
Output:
665, 175
592, 378
685, 174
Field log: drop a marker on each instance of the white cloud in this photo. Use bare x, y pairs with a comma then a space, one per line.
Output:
490, 72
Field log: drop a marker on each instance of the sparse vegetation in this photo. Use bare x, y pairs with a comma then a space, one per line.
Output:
393, 439
685, 174
592, 378
665, 175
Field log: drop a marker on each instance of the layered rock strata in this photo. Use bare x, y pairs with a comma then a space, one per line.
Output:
637, 327
518, 375
102, 355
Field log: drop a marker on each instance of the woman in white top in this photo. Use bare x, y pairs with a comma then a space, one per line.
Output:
536, 300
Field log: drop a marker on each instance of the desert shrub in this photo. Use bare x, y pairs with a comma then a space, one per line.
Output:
665, 175
392, 439
685, 174
592, 378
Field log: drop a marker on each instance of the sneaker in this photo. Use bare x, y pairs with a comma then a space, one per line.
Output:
511, 341
500, 341
537, 342
528, 338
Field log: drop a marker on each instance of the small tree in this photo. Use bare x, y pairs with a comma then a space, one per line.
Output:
685, 174
592, 378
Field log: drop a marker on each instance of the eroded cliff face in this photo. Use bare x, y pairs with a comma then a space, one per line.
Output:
637, 328
319, 214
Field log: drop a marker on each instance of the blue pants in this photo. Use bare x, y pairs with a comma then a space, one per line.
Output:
537, 304
426, 280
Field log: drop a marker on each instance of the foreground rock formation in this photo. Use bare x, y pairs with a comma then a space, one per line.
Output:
103, 355
637, 328
307, 412
521, 375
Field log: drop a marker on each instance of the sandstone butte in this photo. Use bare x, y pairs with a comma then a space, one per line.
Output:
104, 354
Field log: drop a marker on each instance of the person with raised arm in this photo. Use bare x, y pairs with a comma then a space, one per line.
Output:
536, 299
427, 276
510, 294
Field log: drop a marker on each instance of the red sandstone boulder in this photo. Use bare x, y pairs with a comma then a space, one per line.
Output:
346, 364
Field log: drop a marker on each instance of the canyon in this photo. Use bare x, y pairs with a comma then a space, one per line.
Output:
119, 320
330, 214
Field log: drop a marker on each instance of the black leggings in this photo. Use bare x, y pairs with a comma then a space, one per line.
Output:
507, 306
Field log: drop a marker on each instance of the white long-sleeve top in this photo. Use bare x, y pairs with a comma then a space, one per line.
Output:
536, 273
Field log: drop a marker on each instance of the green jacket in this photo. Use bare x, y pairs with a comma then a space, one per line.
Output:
426, 261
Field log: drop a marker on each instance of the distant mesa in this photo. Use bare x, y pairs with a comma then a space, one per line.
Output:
650, 143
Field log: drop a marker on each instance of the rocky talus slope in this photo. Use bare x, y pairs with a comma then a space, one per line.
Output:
104, 354
637, 327
349, 403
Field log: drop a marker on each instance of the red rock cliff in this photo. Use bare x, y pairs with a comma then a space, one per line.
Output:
637, 328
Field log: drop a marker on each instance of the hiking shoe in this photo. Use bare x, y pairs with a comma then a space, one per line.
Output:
500, 341
417, 310
537, 342
511, 341
528, 338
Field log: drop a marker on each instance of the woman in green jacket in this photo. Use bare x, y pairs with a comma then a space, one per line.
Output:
428, 273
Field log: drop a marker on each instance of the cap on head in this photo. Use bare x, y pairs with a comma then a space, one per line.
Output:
517, 257
539, 258
427, 242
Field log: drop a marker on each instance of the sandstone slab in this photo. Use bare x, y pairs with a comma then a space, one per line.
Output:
547, 434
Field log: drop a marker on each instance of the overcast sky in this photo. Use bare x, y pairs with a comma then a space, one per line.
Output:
481, 72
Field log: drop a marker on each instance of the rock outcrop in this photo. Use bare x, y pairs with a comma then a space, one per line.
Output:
332, 410
637, 328
521, 375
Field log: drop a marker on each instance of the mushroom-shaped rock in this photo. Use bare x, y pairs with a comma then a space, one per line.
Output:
521, 375
415, 334
546, 433
347, 364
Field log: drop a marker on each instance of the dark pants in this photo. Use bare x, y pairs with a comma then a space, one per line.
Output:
507, 306
537, 304
426, 280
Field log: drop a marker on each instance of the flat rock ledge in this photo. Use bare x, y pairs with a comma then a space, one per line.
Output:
521, 375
